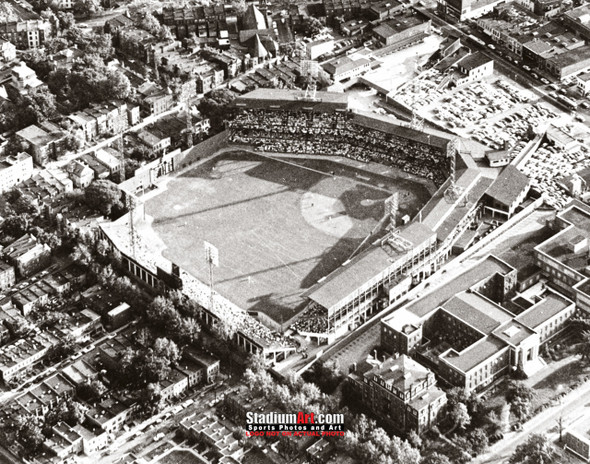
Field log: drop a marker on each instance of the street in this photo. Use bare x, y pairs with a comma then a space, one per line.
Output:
573, 405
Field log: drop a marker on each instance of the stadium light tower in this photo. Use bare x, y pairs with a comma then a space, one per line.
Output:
392, 208
212, 258
131, 204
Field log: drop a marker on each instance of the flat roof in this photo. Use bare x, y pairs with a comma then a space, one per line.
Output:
513, 332
544, 310
475, 354
384, 124
363, 268
292, 100
473, 61
477, 311
482, 270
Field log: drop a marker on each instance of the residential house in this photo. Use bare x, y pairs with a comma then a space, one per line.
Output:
401, 392
14, 170
27, 255
80, 173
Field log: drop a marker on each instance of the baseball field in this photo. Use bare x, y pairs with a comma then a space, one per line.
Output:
280, 224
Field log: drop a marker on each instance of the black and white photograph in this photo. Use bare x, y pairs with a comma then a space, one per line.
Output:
294, 232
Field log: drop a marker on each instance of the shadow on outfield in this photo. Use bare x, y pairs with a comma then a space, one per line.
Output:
213, 208
289, 175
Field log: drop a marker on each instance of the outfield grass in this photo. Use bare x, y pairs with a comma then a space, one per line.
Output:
279, 226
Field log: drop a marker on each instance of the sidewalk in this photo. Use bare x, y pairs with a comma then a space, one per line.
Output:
572, 406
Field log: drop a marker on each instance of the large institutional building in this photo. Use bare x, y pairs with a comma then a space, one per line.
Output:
401, 392
485, 323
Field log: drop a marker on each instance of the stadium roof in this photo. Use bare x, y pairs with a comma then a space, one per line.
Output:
384, 124
364, 268
508, 186
292, 100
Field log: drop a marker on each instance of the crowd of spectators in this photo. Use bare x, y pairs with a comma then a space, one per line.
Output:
313, 320
336, 134
234, 318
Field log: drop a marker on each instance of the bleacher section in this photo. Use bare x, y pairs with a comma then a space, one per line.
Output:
286, 122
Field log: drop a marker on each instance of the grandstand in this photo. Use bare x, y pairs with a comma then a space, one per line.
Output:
282, 121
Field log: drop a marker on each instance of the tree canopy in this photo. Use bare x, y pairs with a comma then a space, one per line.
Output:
103, 196
536, 450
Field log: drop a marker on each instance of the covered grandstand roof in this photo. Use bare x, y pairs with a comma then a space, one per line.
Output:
383, 124
368, 266
292, 100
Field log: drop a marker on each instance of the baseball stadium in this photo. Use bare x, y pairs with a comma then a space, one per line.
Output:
319, 217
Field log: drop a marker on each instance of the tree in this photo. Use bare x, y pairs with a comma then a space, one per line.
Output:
103, 196
150, 399
66, 20
91, 390
239, 6
167, 349
583, 348
86, 8
536, 450
519, 396
435, 458
402, 452
414, 439
165, 34
363, 426
81, 254
100, 45
311, 392
15, 226
148, 22
311, 26
31, 437
162, 316
117, 85
188, 329
259, 382
519, 391
215, 106
459, 415
56, 45
326, 374
479, 440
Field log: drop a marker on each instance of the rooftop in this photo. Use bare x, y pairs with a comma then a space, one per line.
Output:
477, 311
513, 333
558, 246
508, 186
400, 374
290, 100
484, 270
474, 61
475, 354
364, 267
549, 306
